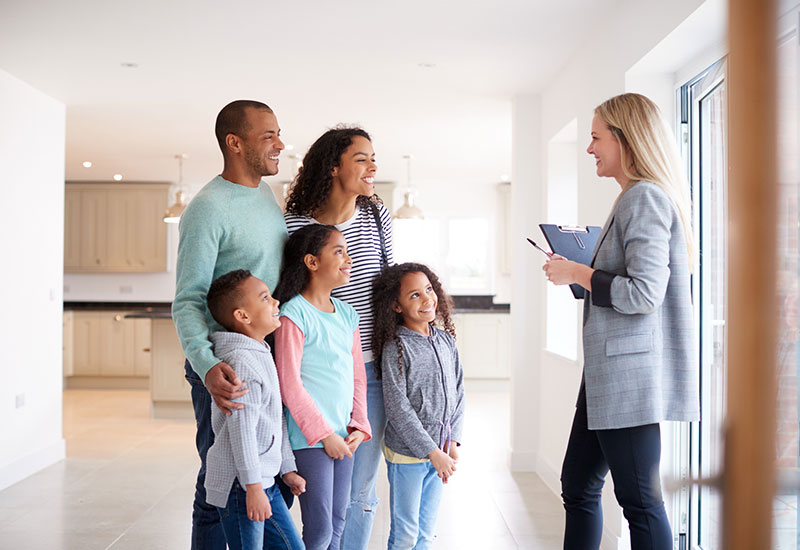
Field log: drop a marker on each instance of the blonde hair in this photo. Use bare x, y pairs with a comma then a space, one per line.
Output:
648, 153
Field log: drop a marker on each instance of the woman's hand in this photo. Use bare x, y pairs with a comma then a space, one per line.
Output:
561, 271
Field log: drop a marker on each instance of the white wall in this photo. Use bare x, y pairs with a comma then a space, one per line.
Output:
545, 385
32, 224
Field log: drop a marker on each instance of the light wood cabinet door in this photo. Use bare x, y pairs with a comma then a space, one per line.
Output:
148, 246
86, 339
121, 230
167, 381
67, 343
115, 228
116, 345
92, 229
105, 343
142, 354
72, 229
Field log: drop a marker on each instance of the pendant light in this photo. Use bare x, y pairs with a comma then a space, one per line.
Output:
173, 213
409, 211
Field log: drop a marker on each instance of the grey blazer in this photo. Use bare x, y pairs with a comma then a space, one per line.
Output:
640, 359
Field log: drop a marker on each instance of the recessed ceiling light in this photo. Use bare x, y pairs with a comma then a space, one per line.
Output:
117, 177
504, 178
87, 164
128, 65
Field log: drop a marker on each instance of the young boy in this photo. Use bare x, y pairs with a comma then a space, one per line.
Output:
251, 445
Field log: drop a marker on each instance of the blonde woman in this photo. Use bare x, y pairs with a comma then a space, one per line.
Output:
640, 366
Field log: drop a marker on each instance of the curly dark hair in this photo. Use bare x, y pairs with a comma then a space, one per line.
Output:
312, 186
294, 277
224, 296
385, 292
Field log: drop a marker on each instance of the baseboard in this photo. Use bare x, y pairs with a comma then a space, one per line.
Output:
610, 541
107, 383
31, 463
550, 476
522, 461
173, 410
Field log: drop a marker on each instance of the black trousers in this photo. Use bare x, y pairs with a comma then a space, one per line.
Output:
633, 456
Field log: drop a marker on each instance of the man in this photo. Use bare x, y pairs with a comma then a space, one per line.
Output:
232, 223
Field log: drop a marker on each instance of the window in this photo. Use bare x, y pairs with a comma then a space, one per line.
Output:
460, 249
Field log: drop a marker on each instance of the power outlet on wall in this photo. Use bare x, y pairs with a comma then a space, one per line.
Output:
20, 400
126, 289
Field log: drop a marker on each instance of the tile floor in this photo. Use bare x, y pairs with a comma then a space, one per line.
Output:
128, 481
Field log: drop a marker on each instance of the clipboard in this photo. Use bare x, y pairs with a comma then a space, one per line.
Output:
574, 242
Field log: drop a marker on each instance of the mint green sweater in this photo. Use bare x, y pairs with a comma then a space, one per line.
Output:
225, 227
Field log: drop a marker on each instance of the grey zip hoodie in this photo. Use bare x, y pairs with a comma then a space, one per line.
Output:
251, 444
425, 403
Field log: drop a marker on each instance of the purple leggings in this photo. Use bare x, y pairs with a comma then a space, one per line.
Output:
324, 504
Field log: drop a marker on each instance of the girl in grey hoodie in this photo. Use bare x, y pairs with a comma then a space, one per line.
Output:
423, 392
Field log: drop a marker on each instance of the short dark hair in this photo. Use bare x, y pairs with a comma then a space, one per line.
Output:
224, 296
232, 119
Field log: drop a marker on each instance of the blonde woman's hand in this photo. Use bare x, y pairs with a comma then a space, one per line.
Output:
559, 270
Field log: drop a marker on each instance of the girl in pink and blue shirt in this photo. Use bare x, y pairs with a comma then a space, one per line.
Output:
322, 378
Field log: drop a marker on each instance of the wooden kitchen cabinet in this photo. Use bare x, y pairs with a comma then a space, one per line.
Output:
484, 341
115, 228
105, 344
170, 392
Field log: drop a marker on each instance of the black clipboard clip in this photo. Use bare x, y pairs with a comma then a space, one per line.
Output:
575, 229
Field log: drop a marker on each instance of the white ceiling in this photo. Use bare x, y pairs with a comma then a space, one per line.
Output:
315, 62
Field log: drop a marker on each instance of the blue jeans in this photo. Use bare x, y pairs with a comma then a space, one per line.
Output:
415, 491
244, 534
363, 496
633, 456
207, 533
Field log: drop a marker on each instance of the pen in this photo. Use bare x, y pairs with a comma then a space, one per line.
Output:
549, 254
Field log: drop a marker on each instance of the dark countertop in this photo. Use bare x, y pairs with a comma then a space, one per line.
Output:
110, 306
163, 310
501, 308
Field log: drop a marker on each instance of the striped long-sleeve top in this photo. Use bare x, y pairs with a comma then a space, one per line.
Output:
364, 247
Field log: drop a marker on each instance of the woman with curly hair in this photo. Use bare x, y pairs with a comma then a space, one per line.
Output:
336, 186
423, 389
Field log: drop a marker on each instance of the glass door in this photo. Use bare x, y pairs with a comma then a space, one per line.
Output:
704, 118
786, 530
